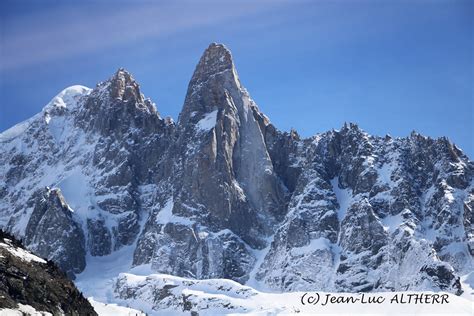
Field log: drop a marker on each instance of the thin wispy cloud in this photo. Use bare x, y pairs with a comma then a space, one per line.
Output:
67, 32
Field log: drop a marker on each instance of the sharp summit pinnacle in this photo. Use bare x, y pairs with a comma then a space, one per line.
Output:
216, 59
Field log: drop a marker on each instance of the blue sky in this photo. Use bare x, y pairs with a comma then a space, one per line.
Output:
390, 66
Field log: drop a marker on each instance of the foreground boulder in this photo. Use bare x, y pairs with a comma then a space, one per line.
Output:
30, 283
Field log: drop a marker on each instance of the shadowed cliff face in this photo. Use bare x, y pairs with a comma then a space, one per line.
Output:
52, 233
29, 280
225, 194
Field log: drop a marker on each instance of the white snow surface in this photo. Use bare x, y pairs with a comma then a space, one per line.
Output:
219, 297
113, 309
260, 256
68, 97
315, 244
343, 198
467, 283
105, 278
207, 122
22, 310
20, 252
17, 130
166, 215
392, 222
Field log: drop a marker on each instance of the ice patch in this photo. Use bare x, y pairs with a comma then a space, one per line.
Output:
385, 173
448, 194
207, 122
343, 198
315, 244
392, 222
57, 127
76, 191
166, 215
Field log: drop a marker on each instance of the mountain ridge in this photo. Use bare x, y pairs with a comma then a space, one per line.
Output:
223, 193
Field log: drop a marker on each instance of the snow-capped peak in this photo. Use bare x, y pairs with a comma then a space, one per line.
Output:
67, 98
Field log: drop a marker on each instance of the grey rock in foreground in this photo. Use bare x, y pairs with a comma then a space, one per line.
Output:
29, 280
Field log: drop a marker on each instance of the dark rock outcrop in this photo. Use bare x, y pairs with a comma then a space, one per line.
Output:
52, 233
29, 280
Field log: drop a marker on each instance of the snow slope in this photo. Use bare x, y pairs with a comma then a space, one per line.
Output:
160, 294
21, 253
111, 283
113, 309
23, 310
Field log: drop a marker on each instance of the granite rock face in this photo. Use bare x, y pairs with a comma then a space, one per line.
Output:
225, 196
52, 233
366, 210
223, 193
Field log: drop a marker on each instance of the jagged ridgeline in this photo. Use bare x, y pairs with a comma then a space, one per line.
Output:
223, 193
29, 283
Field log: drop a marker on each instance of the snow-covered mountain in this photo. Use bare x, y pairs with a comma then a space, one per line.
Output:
99, 177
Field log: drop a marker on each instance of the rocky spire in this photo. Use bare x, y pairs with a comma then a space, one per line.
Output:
213, 83
215, 60
117, 104
52, 233
123, 87
236, 177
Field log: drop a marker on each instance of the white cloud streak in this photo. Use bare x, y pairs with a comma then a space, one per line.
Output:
69, 31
